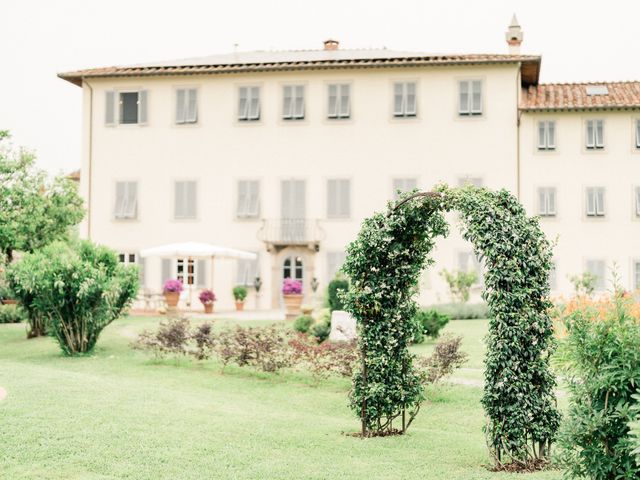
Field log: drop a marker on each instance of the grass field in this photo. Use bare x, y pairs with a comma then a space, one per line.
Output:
116, 415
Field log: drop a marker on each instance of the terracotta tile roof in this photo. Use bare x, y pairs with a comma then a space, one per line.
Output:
247, 62
575, 96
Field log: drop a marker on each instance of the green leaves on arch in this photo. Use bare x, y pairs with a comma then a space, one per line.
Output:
384, 264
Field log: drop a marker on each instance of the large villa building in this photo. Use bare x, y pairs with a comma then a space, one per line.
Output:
284, 153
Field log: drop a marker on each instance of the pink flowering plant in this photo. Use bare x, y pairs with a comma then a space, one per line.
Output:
207, 297
172, 286
291, 287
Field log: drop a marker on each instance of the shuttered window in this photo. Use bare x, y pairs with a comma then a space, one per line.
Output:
339, 101
401, 185
338, 198
470, 97
293, 102
248, 202
132, 107
404, 99
248, 104
547, 201
636, 275
335, 260
185, 199
638, 133
110, 108
595, 134
637, 201
247, 271
547, 135
186, 105
598, 269
126, 206
595, 202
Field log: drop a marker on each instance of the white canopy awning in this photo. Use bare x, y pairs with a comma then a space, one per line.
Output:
195, 250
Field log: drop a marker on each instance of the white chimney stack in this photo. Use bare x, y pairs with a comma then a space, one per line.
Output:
514, 36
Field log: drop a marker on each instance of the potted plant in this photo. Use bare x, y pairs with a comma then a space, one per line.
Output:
239, 293
171, 290
207, 297
292, 294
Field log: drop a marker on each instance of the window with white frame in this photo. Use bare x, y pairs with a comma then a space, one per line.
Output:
470, 97
637, 201
125, 107
339, 101
636, 275
638, 133
547, 135
547, 201
127, 258
248, 104
335, 260
185, 199
468, 180
126, 206
338, 198
598, 269
404, 99
293, 102
248, 204
186, 105
247, 271
595, 202
401, 185
595, 134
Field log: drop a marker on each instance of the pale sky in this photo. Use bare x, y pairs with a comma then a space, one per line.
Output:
587, 40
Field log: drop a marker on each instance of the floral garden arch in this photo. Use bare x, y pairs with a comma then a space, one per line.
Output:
384, 264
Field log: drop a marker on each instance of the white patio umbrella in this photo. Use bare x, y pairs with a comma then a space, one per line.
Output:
196, 250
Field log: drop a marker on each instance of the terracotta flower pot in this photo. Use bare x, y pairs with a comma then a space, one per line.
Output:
292, 303
208, 307
239, 306
172, 299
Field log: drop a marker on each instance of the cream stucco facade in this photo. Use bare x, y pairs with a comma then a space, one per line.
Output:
369, 149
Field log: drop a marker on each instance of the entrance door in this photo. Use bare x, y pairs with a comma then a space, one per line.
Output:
293, 267
293, 210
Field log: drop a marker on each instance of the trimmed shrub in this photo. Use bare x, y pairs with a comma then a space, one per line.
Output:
600, 358
446, 359
12, 314
429, 322
76, 289
303, 323
463, 311
336, 286
324, 359
171, 338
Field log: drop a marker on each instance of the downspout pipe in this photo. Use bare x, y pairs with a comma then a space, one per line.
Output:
90, 158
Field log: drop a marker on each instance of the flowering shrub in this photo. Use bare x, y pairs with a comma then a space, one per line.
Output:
291, 287
172, 286
600, 358
207, 296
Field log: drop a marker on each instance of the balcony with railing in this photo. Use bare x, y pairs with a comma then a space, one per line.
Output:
285, 232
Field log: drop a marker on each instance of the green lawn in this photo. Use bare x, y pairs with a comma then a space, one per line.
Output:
116, 414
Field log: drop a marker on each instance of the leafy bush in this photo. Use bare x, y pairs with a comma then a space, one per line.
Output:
336, 286
12, 314
459, 282
171, 338
463, 311
600, 358
77, 289
324, 359
204, 341
634, 428
429, 322
322, 329
303, 323
445, 359
239, 293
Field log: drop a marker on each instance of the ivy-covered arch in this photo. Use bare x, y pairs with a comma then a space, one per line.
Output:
384, 264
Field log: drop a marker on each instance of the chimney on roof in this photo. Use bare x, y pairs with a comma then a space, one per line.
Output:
514, 36
331, 44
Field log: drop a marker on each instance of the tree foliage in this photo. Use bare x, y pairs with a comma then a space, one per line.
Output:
34, 210
384, 264
76, 289
460, 283
584, 284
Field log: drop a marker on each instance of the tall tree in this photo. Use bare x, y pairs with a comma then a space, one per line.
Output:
34, 209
